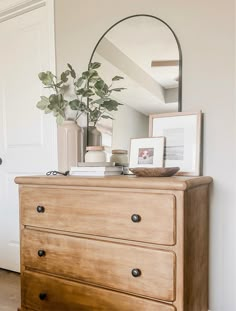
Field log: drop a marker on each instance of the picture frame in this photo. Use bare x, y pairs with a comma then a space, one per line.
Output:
182, 132
147, 152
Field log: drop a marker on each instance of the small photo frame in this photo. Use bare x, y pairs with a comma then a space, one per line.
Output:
182, 132
146, 152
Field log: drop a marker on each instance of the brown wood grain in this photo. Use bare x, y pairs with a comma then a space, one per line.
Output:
196, 250
123, 182
63, 295
89, 238
103, 263
103, 213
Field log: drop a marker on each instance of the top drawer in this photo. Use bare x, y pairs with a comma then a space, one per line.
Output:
144, 217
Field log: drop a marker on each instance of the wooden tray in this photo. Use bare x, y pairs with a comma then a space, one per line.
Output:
154, 171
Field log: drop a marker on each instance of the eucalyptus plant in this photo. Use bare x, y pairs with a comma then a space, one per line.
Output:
91, 94
56, 103
93, 90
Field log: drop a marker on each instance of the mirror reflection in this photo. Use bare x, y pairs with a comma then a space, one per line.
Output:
145, 52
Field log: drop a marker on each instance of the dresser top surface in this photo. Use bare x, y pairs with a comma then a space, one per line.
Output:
123, 181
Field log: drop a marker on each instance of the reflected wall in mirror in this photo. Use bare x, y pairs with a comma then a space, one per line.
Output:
145, 51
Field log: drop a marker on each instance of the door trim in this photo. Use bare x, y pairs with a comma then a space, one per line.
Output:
20, 8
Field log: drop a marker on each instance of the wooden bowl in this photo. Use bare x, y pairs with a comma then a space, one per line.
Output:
154, 171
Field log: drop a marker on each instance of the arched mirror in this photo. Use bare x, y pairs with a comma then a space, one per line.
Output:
144, 51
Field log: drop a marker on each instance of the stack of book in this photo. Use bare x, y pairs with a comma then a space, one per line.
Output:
88, 169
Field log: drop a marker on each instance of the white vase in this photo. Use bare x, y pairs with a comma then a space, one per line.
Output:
70, 141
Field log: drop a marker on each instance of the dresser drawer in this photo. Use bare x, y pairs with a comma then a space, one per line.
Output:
62, 295
135, 216
103, 263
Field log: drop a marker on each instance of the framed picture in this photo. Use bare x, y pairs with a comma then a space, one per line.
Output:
146, 152
182, 132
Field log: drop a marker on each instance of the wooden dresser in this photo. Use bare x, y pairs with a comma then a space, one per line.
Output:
116, 243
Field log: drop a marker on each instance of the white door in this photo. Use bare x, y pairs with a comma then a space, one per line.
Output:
27, 137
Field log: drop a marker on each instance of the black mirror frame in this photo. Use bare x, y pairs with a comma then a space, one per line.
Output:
177, 41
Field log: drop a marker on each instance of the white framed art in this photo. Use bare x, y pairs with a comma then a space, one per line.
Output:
182, 132
146, 152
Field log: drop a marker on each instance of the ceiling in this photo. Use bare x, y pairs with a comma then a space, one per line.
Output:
145, 39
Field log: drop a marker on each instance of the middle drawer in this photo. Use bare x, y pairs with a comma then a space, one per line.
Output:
141, 271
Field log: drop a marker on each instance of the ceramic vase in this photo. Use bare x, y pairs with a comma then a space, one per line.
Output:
94, 136
70, 141
95, 154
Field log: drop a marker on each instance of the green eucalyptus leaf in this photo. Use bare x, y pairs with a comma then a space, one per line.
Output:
60, 119
117, 78
75, 104
80, 91
73, 74
54, 99
118, 89
47, 110
70, 67
64, 77
83, 107
100, 93
98, 101
57, 102
94, 79
110, 105
93, 75
99, 85
59, 84
79, 82
46, 77
43, 103
107, 117
105, 88
94, 115
72, 71
86, 74
88, 93
94, 65
52, 106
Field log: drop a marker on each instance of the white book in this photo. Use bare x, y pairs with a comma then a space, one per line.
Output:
98, 173
99, 164
96, 169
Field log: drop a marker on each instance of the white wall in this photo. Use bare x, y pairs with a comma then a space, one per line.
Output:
128, 124
206, 33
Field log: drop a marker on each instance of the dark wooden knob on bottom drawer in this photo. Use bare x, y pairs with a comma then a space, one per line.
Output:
136, 272
42, 296
40, 209
41, 253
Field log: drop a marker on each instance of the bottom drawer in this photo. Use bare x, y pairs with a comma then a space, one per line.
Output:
46, 293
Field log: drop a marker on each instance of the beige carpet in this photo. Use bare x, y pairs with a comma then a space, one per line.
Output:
9, 290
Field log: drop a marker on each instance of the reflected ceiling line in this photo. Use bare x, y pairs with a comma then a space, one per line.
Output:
117, 58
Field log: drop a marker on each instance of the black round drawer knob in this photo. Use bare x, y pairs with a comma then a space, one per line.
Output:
40, 209
136, 272
42, 296
41, 253
136, 218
